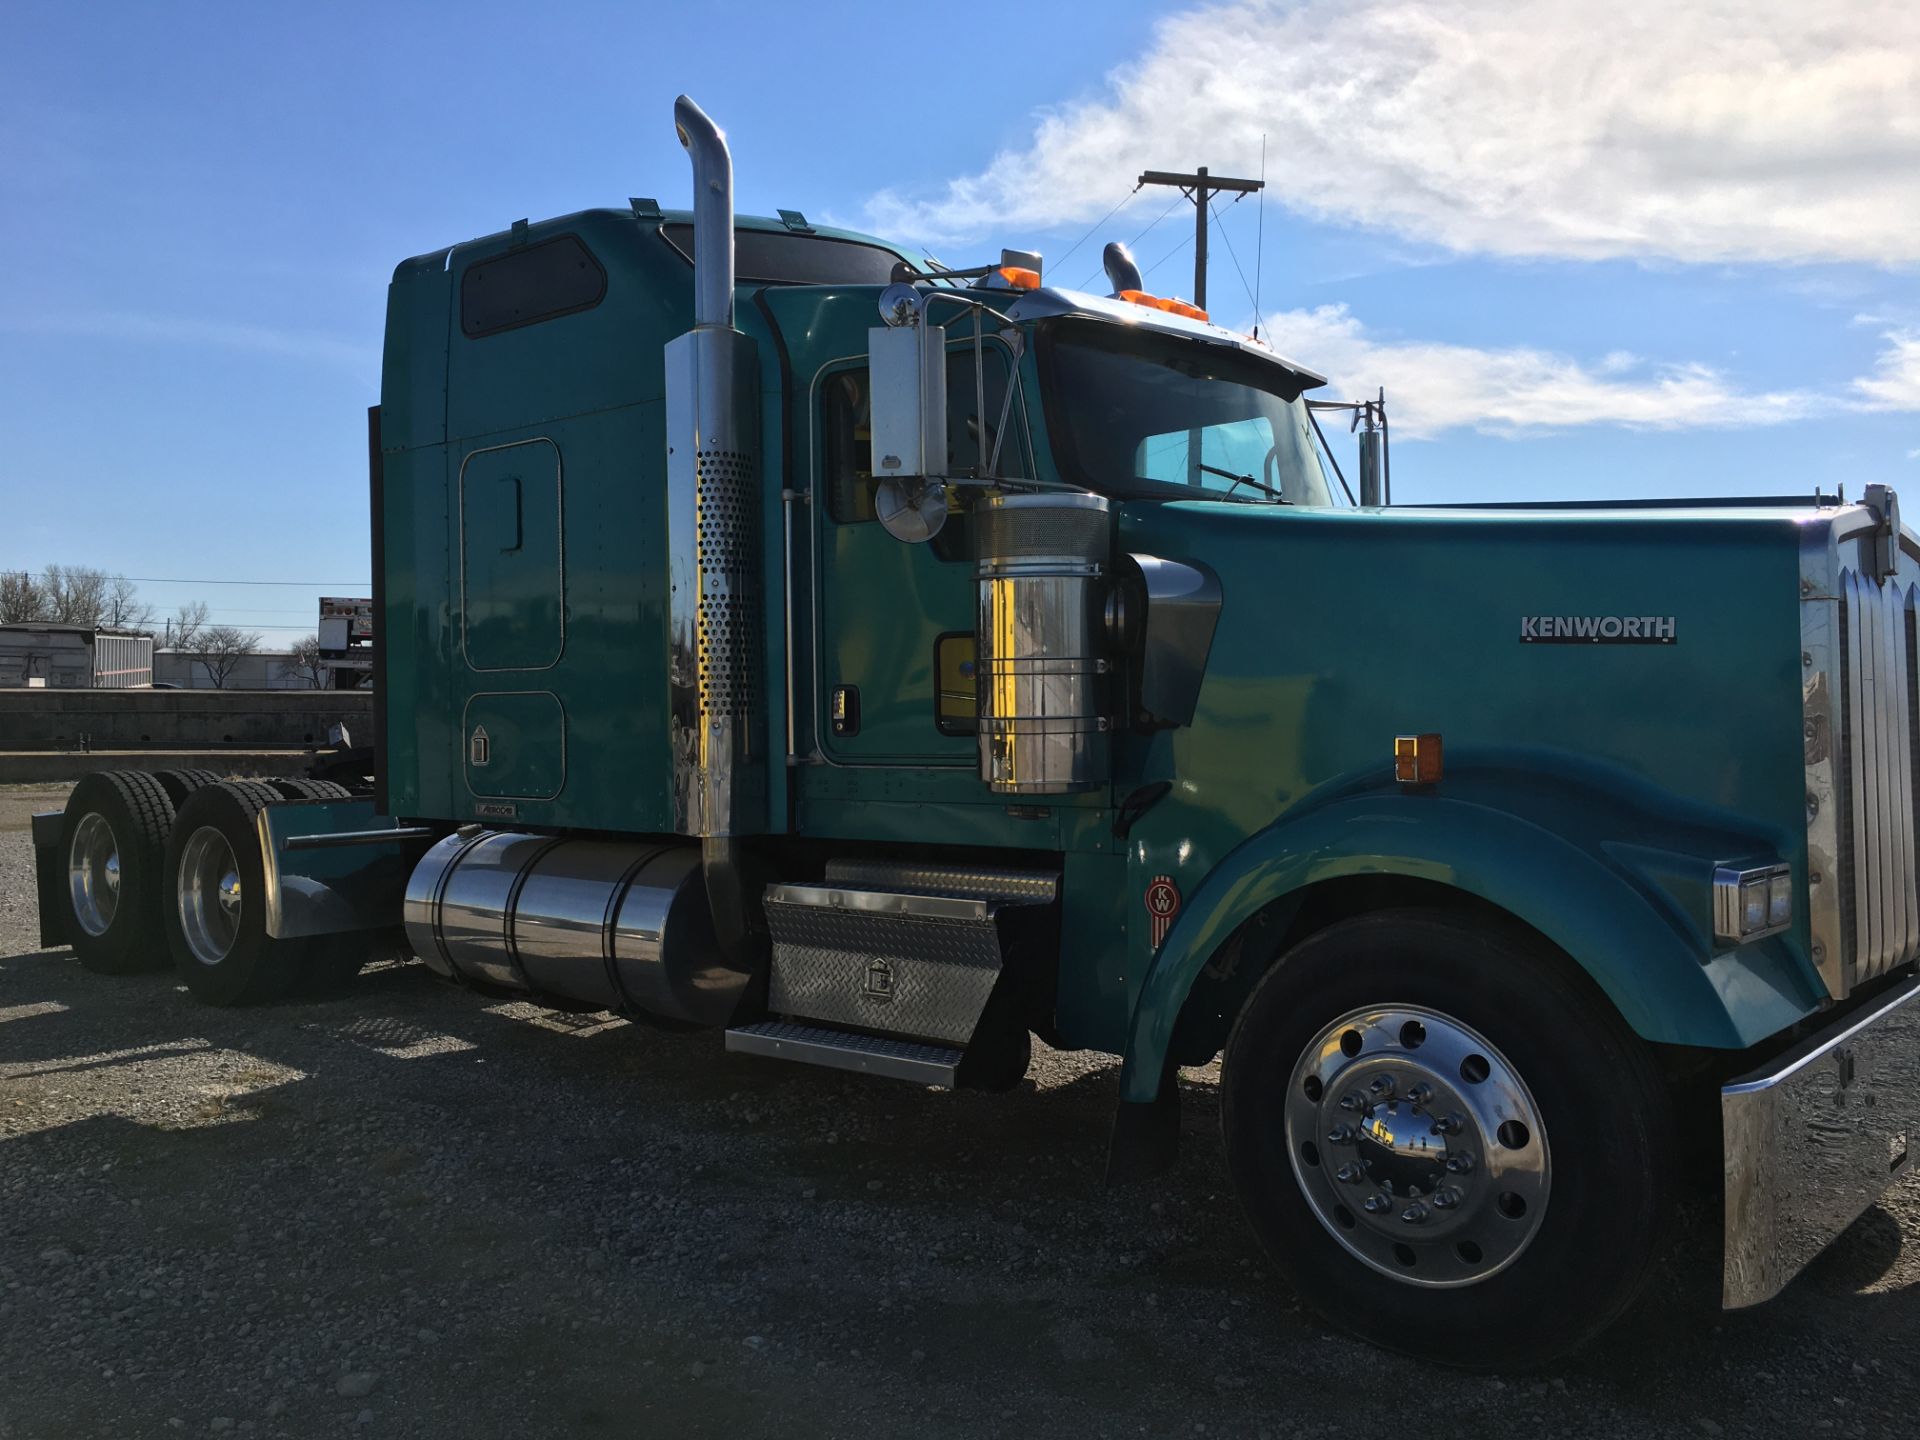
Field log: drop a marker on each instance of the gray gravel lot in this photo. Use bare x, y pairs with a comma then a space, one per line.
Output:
411, 1211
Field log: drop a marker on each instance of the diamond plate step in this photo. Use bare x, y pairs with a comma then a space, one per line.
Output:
844, 1050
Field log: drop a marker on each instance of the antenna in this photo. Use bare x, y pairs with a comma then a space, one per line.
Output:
1260, 236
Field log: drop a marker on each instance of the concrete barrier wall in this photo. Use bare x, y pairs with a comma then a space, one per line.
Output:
179, 719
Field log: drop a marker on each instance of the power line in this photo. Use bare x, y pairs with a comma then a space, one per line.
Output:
1097, 224
166, 580
1135, 241
1166, 257
1234, 255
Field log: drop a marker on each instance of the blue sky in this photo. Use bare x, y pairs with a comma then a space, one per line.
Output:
1687, 265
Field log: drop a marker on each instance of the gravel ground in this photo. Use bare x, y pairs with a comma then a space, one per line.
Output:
410, 1211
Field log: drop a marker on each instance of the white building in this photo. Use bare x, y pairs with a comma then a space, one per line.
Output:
34, 656
257, 670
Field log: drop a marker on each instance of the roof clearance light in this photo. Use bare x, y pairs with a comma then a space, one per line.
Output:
1161, 302
1020, 279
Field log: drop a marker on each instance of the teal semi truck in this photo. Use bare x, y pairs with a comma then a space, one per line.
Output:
885, 664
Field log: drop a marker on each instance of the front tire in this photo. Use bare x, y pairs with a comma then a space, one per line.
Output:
1448, 1143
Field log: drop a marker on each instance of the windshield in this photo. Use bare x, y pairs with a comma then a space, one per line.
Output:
1142, 415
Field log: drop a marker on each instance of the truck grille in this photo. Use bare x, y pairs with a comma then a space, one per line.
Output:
1877, 755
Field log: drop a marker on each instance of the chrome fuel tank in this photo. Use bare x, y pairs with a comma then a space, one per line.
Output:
622, 925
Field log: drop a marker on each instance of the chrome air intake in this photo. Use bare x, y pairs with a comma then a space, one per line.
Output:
1041, 561
620, 925
715, 709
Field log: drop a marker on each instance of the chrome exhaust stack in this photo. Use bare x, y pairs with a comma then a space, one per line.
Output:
715, 712
706, 146
1123, 271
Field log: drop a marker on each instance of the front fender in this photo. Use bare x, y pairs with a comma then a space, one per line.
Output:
1621, 927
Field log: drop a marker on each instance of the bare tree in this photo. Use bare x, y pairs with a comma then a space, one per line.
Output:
76, 594
219, 649
303, 660
121, 607
183, 631
21, 598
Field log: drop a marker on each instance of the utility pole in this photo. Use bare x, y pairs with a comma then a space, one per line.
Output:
1197, 187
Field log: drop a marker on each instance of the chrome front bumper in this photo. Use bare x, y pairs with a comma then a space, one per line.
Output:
1814, 1139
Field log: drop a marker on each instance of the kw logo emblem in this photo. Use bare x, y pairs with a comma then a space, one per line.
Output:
480, 748
1163, 903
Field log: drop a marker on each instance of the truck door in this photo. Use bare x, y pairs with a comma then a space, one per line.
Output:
893, 652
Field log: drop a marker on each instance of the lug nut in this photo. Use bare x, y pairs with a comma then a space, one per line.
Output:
1352, 1101
1449, 1125
1460, 1163
1340, 1135
1420, 1094
1445, 1198
1349, 1174
1414, 1214
1376, 1205
1381, 1088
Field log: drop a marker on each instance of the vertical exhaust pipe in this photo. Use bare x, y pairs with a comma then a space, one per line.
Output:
706, 146
716, 720
1123, 271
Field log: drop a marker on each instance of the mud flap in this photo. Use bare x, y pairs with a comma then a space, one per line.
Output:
1146, 1134
50, 880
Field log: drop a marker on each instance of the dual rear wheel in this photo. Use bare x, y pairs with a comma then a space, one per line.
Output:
177, 854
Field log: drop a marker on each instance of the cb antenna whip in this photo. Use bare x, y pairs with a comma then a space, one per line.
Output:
1260, 235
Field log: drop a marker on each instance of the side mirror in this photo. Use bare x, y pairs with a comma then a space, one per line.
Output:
907, 376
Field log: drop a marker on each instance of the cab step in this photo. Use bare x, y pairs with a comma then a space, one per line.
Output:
910, 951
845, 1050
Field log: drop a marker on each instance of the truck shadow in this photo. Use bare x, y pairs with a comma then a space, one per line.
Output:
1016, 1243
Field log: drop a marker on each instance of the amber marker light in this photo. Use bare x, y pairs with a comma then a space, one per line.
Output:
1161, 302
1416, 759
1019, 278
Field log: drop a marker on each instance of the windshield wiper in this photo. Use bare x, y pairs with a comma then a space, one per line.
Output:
1239, 480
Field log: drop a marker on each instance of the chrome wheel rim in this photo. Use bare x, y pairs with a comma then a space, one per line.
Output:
93, 874
209, 895
1418, 1146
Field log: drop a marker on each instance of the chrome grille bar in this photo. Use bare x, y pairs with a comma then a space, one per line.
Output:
1881, 902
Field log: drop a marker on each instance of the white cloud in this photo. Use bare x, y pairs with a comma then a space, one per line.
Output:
1770, 130
1895, 382
1433, 386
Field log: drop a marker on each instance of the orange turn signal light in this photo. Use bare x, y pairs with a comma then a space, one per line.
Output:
1416, 759
1161, 302
1020, 279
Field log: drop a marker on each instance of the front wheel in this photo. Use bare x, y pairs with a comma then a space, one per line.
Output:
1450, 1145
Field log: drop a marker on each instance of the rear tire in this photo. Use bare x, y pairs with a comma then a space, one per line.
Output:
310, 790
214, 912
181, 783
113, 838
1449, 1144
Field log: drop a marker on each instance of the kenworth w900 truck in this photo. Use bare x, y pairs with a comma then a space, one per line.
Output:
885, 664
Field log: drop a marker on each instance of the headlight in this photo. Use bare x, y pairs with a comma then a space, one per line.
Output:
1750, 904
